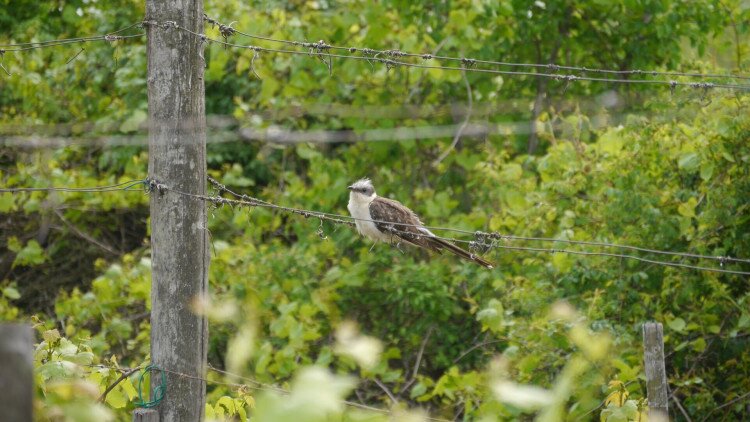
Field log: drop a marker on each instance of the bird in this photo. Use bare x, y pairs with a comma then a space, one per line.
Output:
387, 220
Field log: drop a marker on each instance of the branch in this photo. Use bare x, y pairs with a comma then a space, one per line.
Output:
418, 362
386, 390
679, 406
729, 403
476, 346
114, 384
78, 232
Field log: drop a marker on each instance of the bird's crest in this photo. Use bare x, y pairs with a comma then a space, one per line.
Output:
363, 183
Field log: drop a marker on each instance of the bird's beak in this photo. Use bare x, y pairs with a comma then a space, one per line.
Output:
350, 187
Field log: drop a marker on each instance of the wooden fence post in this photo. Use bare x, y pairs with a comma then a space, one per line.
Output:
16, 372
656, 374
145, 415
179, 236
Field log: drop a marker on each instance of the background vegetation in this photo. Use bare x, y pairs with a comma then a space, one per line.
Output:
551, 336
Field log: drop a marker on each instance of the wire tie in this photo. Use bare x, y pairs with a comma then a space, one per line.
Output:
159, 392
568, 80
468, 62
2, 57
252, 63
321, 233
227, 31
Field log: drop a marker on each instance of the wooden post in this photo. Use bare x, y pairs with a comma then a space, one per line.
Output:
16, 372
179, 239
145, 415
656, 374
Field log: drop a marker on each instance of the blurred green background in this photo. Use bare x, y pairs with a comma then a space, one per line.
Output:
627, 164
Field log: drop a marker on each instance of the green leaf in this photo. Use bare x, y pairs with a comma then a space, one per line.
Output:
677, 324
687, 209
7, 203
707, 170
307, 152
11, 293
699, 345
14, 245
744, 321
689, 162
128, 388
228, 404
116, 399
31, 254
562, 262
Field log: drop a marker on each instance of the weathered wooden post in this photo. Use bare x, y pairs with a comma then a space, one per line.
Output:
16, 372
656, 374
179, 237
145, 415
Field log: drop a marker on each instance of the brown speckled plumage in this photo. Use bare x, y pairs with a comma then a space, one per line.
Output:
403, 225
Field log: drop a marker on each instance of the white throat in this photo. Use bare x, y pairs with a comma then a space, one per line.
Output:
356, 199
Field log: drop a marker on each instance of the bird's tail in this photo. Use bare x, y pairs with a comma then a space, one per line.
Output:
455, 250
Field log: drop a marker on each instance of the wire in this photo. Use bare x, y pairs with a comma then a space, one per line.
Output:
256, 385
124, 186
227, 30
499, 236
111, 36
481, 244
395, 63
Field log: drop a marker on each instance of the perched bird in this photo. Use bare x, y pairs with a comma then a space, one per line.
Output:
386, 220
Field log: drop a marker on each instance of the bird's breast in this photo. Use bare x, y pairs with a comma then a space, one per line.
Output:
361, 212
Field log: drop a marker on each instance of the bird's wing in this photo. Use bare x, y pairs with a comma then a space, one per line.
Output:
403, 225
400, 222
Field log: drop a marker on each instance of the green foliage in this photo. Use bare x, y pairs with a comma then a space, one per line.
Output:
300, 305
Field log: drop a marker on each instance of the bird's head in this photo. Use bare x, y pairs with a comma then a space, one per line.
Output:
362, 187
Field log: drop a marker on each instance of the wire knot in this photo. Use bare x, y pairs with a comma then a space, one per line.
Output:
159, 391
321, 45
226, 31
390, 64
